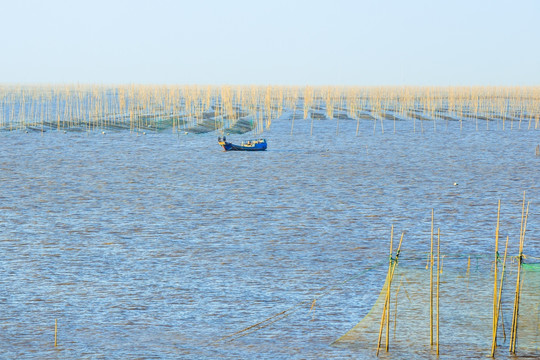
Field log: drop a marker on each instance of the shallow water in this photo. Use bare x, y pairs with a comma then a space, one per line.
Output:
158, 246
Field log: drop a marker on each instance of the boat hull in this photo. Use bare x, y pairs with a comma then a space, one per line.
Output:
227, 146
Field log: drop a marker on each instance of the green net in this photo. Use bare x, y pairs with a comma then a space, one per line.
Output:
465, 309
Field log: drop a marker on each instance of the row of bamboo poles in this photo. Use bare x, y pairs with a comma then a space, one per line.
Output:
139, 107
435, 283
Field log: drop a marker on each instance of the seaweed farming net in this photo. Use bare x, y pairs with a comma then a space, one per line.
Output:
466, 309
239, 110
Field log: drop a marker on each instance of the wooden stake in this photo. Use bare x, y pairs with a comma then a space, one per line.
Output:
55, 332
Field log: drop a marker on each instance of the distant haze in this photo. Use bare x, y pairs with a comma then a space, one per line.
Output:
378, 42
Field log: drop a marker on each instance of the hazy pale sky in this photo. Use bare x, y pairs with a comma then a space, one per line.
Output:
278, 42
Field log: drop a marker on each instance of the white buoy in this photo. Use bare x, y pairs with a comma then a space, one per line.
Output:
455, 184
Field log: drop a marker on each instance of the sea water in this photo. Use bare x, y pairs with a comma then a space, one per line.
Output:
163, 246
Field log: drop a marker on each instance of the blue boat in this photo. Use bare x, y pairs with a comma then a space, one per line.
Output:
246, 145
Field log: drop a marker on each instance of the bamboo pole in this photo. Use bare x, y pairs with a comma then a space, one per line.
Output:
293, 103
388, 290
389, 277
387, 282
513, 333
438, 281
431, 284
494, 343
516, 301
495, 301
90, 107
515, 313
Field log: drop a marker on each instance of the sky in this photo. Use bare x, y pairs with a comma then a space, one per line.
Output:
271, 42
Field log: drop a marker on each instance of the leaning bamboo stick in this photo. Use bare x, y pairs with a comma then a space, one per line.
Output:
389, 277
384, 314
494, 343
394, 265
387, 282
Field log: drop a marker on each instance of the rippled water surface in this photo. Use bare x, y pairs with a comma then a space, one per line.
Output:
158, 246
